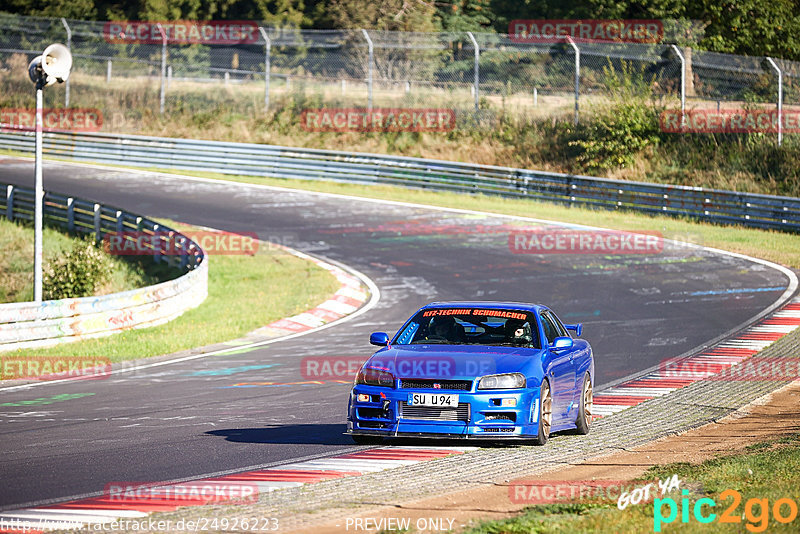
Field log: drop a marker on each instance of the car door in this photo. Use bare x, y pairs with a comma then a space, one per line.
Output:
561, 369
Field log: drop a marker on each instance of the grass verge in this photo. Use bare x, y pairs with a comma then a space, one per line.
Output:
766, 472
244, 293
16, 263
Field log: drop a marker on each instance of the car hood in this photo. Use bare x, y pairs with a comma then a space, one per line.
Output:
458, 362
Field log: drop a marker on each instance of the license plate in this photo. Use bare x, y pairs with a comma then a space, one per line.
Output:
433, 400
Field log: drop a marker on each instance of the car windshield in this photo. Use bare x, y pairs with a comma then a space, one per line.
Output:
471, 326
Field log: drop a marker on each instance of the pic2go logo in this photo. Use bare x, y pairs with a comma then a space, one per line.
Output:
756, 511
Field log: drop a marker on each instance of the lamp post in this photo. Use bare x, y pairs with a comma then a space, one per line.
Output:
54, 65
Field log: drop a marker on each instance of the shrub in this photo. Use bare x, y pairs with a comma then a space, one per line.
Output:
79, 273
614, 138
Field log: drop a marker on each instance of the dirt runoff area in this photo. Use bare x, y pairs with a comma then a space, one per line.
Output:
770, 417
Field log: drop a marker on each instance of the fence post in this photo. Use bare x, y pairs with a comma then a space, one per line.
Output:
108, 71
780, 99
163, 67
10, 202
577, 74
69, 47
369, 69
477, 69
683, 83
267, 65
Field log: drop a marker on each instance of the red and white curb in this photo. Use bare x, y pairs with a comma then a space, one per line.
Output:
110, 508
349, 298
707, 363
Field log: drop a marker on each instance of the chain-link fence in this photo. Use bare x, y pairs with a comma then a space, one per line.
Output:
477, 75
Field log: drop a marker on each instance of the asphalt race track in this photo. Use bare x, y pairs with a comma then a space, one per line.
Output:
187, 419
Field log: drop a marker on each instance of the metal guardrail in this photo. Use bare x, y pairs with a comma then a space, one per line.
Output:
26, 325
724, 207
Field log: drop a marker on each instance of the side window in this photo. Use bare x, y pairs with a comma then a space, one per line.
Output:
550, 330
562, 332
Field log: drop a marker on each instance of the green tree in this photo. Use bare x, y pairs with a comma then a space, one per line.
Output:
388, 15
751, 27
465, 15
71, 9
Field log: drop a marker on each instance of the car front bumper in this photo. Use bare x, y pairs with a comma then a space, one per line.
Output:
480, 415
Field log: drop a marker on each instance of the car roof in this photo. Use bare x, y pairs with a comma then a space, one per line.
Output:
535, 308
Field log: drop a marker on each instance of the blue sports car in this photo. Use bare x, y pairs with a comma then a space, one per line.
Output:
492, 370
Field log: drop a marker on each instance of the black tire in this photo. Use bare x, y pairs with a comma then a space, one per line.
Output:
367, 440
545, 413
586, 407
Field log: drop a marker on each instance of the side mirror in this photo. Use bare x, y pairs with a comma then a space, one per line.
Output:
380, 339
561, 343
577, 328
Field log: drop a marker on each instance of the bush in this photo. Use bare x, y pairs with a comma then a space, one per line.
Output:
79, 273
614, 138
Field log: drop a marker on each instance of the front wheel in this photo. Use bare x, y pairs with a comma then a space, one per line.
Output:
545, 413
586, 407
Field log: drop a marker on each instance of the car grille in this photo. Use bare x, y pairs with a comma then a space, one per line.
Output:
429, 413
452, 385
507, 416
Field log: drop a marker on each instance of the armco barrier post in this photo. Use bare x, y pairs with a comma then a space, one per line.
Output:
477, 68
10, 202
70, 214
156, 245
97, 219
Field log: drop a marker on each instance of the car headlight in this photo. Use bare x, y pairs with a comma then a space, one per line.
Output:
505, 381
375, 377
